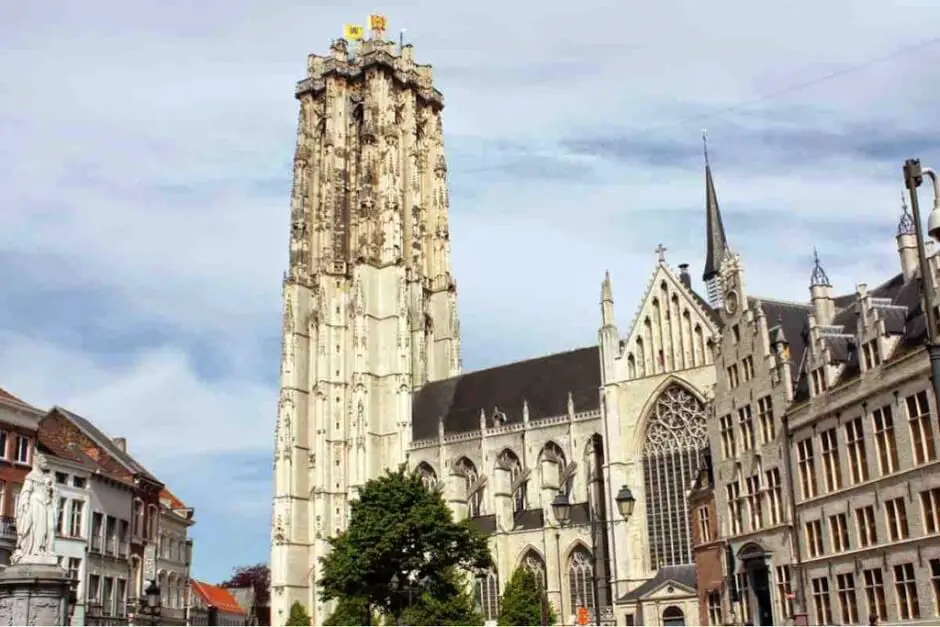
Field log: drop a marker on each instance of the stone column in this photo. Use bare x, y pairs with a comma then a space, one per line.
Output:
34, 592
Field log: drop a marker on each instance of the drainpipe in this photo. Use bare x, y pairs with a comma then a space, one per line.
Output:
799, 607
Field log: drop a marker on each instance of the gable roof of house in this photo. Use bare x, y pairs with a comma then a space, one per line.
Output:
107, 444
217, 597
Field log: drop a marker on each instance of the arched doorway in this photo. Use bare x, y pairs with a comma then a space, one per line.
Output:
755, 561
673, 617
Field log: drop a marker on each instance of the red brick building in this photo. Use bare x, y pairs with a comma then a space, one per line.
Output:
62, 428
708, 550
18, 424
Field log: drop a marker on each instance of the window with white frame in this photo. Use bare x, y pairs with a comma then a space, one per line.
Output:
848, 603
918, 416
714, 608
775, 496
23, 446
765, 414
75, 520
746, 423
487, 594
839, 533
896, 519
855, 445
930, 506
829, 450
885, 441
807, 467
906, 586
784, 590
865, 525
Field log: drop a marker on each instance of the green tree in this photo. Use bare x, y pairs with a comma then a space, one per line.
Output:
298, 615
400, 531
524, 602
448, 603
351, 611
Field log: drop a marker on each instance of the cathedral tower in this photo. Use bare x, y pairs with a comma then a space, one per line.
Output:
370, 305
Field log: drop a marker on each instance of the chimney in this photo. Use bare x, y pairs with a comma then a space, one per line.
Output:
907, 243
684, 275
121, 443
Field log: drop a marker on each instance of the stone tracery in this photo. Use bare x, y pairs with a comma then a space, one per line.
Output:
675, 437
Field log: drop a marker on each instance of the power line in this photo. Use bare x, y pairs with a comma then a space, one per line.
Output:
803, 85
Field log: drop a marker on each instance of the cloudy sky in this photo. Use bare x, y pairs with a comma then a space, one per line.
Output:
144, 183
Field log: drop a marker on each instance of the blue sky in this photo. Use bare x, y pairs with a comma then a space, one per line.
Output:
144, 183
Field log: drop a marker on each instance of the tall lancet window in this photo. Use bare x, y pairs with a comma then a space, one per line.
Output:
580, 579
675, 439
487, 593
473, 491
534, 563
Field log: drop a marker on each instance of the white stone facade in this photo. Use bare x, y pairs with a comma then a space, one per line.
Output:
370, 374
73, 511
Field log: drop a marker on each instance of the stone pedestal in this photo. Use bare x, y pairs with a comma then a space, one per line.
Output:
34, 593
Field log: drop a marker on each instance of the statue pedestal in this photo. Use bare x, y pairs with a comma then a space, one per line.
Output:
34, 592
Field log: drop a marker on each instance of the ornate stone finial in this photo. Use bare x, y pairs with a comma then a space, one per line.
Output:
906, 223
570, 405
36, 516
819, 276
661, 253
525, 411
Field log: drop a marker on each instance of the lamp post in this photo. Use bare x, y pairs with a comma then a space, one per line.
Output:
561, 508
150, 605
913, 177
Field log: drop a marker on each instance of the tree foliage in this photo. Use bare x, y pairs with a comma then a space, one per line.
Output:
351, 611
448, 603
524, 602
257, 577
399, 530
298, 615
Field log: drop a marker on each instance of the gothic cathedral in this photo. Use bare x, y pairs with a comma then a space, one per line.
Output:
370, 374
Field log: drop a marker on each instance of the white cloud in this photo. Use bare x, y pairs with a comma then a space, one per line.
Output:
165, 409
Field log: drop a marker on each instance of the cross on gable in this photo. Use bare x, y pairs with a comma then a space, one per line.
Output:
661, 253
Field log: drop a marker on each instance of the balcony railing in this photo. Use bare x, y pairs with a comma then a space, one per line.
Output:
7, 527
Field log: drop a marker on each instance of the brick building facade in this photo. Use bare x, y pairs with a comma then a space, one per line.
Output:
18, 424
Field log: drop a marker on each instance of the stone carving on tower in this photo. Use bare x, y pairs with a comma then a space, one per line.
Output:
368, 219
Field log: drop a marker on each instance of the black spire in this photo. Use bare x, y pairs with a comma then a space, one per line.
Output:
716, 244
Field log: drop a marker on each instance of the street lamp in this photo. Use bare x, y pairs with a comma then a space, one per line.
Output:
913, 177
625, 502
561, 508
150, 604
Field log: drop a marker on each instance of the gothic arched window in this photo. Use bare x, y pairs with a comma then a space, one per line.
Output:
675, 438
487, 594
555, 468
472, 492
534, 563
428, 476
581, 578
510, 461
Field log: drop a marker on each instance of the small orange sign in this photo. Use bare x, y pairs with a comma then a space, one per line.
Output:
582, 616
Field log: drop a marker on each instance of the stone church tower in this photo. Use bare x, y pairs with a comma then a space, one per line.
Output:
370, 310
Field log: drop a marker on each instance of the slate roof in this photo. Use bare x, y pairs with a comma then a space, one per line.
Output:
788, 319
106, 443
898, 303
543, 383
682, 575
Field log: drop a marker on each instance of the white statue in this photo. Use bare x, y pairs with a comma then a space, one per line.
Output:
35, 513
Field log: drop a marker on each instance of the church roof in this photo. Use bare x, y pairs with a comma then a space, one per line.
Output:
543, 383
682, 575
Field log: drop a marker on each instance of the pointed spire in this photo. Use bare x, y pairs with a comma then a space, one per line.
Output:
906, 223
607, 293
819, 276
716, 244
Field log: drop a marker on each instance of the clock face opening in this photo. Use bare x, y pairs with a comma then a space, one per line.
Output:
731, 302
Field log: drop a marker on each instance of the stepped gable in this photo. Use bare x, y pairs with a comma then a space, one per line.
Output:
543, 383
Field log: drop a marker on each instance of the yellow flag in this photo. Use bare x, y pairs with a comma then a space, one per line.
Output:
377, 22
353, 32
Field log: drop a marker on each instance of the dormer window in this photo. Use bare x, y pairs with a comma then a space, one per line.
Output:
820, 384
870, 354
